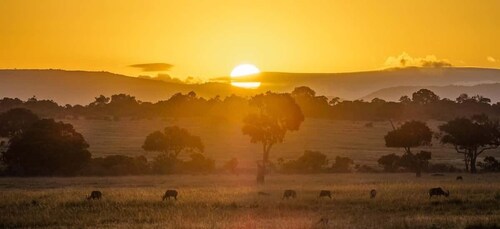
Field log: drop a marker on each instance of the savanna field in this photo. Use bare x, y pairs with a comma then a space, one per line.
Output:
224, 140
231, 201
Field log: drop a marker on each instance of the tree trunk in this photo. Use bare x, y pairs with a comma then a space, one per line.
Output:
473, 164
466, 161
261, 170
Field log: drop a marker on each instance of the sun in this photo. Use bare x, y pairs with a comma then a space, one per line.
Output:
244, 70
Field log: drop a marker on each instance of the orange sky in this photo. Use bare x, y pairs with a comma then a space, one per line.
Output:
208, 38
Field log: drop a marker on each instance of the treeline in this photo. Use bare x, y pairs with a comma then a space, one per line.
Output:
421, 105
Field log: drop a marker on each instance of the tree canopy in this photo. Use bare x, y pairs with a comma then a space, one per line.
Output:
46, 148
172, 141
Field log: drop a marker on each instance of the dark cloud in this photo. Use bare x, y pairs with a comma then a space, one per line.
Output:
153, 67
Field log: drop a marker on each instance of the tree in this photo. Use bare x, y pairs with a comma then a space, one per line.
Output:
46, 148
342, 164
309, 162
471, 137
409, 135
424, 96
277, 114
489, 164
415, 162
390, 162
172, 141
15, 121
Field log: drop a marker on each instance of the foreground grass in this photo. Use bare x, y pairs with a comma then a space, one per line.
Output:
223, 201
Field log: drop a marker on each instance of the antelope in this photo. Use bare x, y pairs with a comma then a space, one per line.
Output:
325, 193
170, 193
289, 194
373, 193
95, 195
438, 192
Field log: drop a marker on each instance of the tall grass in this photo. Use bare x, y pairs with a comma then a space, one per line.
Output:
225, 201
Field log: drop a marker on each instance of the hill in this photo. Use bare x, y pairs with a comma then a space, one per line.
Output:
80, 87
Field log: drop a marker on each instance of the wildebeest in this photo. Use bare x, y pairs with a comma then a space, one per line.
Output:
438, 192
373, 193
263, 193
289, 194
170, 193
460, 178
95, 195
325, 193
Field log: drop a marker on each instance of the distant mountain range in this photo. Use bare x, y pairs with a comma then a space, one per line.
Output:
80, 87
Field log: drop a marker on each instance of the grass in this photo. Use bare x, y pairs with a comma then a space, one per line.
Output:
223, 140
225, 201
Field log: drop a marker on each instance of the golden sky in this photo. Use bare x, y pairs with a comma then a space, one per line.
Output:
208, 38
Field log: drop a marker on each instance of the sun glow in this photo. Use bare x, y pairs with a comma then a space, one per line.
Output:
244, 70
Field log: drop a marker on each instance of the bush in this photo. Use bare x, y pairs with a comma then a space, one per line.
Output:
309, 162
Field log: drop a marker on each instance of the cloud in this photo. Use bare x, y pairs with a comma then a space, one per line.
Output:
153, 67
491, 59
405, 60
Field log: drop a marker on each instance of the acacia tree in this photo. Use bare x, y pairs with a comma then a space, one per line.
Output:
276, 114
172, 141
471, 137
411, 134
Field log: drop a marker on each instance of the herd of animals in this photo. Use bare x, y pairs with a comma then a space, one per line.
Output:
287, 194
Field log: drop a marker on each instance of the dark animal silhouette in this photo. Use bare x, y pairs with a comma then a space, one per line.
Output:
170, 193
289, 194
438, 192
264, 194
325, 193
460, 178
373, 193
95, 195
34, 203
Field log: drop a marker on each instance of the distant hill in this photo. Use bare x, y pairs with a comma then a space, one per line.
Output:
491, 91
359, 84
80, 87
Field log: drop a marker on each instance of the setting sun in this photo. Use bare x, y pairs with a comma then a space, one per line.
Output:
244, 70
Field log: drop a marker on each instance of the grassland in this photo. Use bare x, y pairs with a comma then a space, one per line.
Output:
225, 201
223, 140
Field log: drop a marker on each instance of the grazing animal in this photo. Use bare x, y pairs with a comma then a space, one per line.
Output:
460, 178
170, 193
438, 192
264, 194
34, 203
373, 193
289, 194
325, 193
95, 195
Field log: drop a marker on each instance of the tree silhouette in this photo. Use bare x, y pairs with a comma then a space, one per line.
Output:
277, 114
172, 141
46, 148
471, 137
15, 121
424, 96
390, 162
409, 135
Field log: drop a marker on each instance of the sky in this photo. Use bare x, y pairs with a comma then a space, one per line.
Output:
205, 39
